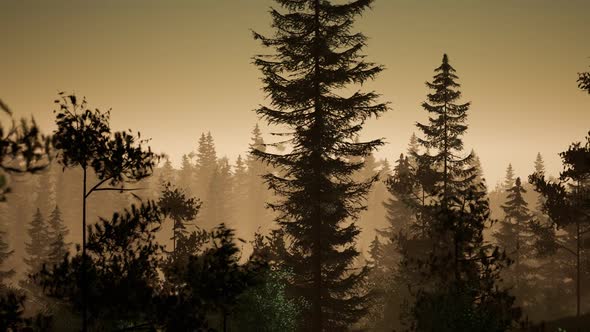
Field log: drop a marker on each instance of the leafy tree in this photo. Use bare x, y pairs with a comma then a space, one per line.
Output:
567, 203
316, 55
84, 140
120, 276
37, 248
584, 81
23, 149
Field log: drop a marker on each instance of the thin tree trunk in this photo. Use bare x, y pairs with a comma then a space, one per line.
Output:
84, 259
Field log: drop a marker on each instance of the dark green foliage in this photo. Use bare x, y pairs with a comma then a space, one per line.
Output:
267, 307
316, 55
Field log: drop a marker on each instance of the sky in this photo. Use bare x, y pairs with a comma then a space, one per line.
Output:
176, 68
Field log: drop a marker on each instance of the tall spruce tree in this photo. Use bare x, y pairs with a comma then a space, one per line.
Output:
57, 233
509, 178
458, 290
316, 55
37, 247
515, 237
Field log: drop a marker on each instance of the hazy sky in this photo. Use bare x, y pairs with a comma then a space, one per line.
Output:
173, 69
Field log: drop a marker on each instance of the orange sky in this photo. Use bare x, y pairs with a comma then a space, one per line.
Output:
173, 69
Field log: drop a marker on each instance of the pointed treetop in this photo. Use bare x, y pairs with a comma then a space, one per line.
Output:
509, 180
539, 164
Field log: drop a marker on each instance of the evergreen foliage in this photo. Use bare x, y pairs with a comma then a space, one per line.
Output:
316, 55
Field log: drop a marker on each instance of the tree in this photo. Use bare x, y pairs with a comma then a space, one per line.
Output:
316, 55
509, 179
185, 176
458, 288
23, 149
84, 140
180, 208
37, 248
515, 237
57, 232
584, 81
567, 203
5, 253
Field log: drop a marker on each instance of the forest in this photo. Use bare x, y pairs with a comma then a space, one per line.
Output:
308, 230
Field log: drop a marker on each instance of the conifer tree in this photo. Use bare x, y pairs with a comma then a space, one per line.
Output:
185, 175
459, 292
167, 173
316, 55
205, 167
220, 202
509, 178
37, 247
258, 193
57, 233
567, 203
514, 236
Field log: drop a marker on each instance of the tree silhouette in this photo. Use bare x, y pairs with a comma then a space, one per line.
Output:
567, 203
57, 233
316, 55
38, 247
23, 149
180, 208
84, 140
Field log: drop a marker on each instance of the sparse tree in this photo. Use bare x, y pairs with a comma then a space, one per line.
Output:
84, 140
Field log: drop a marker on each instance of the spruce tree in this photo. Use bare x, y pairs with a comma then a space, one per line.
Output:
185, 175
514, 236
509, 178
458, 290
316, 55
567, 203
258, 194
37, 248
57, 233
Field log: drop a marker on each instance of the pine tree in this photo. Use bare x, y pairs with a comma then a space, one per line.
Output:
514, 236
220, 203
459, 292
316, 56
509, 178
205, 167
258, 194
567, 203
37, 248
57, 234
185, 175
166, 173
